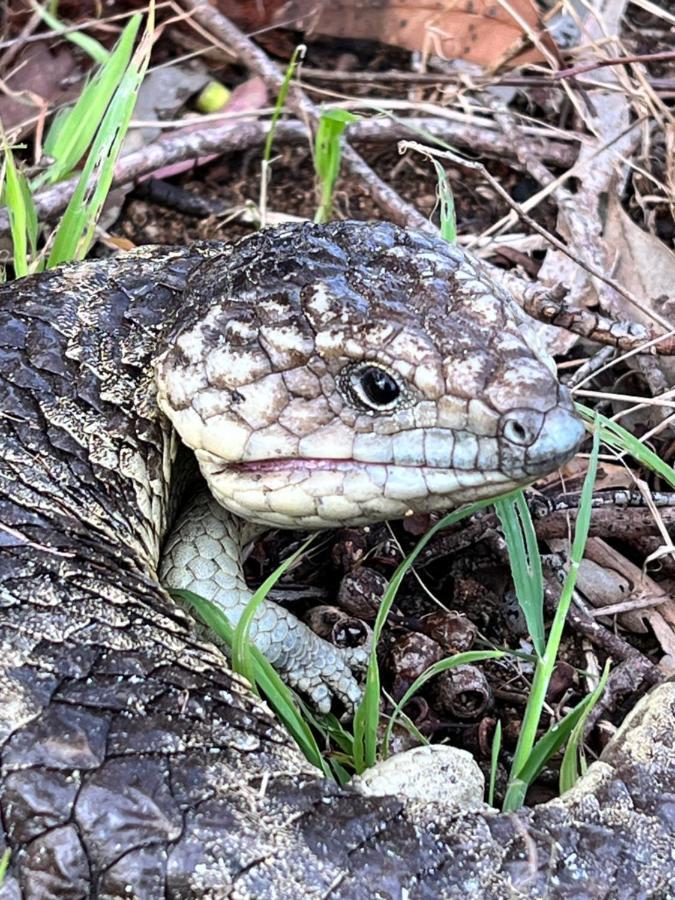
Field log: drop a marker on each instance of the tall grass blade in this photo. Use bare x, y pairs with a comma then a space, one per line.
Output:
4, 865
447, 201
76, 229
17, 198
450, 662
521, 766
541, 752
525, 562
616, 437
298, 54
73, 131
367, 715
494, 762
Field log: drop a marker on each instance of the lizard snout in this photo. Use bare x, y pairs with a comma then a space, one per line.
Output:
541, 441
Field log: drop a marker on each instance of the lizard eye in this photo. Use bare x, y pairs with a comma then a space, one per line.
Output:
375, 387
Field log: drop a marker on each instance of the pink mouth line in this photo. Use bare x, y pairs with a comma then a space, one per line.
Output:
295, 463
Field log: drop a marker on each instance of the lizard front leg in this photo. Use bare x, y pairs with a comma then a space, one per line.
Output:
203, 555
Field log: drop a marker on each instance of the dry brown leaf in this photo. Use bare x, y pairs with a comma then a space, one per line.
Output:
646, 267
479, 31
39, 79
642, 263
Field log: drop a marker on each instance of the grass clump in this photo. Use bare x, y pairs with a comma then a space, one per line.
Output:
92, 131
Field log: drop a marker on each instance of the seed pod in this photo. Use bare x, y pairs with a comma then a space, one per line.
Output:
350, 548
336, 626
361, 591
453, 630
463, 693
409, 656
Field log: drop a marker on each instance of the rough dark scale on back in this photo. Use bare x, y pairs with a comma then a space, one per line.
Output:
131, 762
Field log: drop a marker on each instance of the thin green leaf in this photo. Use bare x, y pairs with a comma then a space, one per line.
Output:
72, 133
327, 155
76, 229
4, 865
521, 765
340, 774
31, 214
331, 725
450, 662
541, 752
298, 54
277, 694
494, 762
572, 765
241, 656
367, 715
3, 168
14, 198
90, 46
616, 437
447, 200
366, 719
525, 562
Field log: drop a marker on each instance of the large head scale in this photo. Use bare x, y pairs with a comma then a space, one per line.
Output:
353, 372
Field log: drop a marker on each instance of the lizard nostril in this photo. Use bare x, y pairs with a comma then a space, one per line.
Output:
521, 427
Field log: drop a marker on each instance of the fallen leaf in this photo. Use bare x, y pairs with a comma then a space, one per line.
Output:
643, 264
39, 80
479, 31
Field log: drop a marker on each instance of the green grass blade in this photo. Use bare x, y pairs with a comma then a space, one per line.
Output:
331, 725
4, 865
366, 719
3, 169
367, 715
518, 783
71, 134
450, 662
277, 694
525, 562
447, 201
76, 229
573, 765
298, 54
616, 437
89, 44
241, 647
15, 196
539, 755
494, 762
327, 155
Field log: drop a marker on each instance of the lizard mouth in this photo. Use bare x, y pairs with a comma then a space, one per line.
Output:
297, 463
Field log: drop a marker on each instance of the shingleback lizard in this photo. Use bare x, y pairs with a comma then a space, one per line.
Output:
347, 374
326, 363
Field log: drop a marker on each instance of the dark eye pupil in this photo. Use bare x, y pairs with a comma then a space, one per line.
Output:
379, 387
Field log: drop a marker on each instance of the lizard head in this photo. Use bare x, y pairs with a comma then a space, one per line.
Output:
351, 373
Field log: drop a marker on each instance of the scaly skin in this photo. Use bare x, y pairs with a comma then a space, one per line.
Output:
265, 388
132, 762
203, 555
